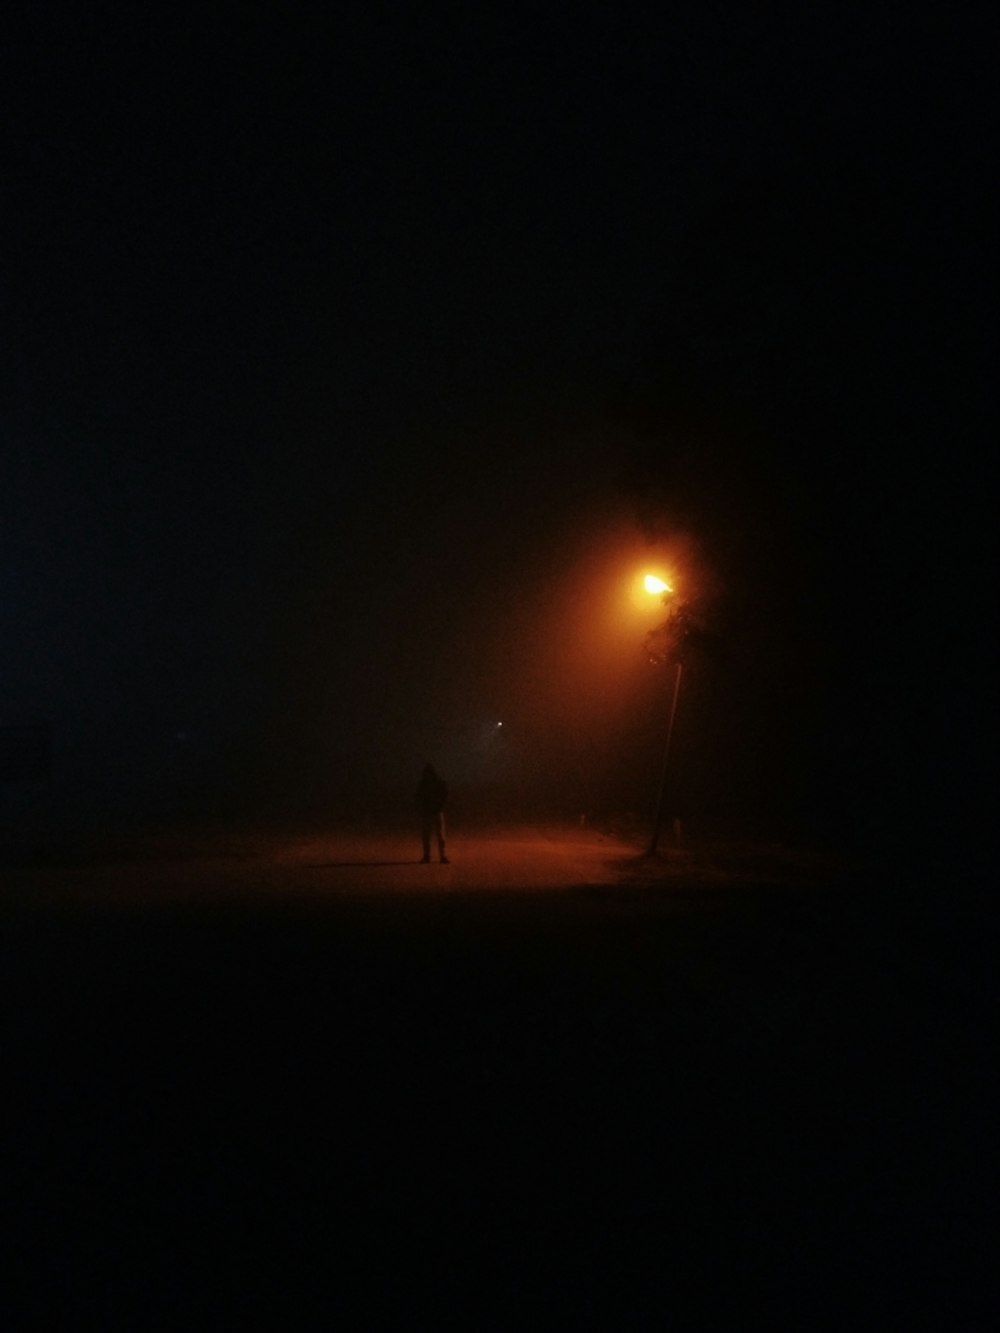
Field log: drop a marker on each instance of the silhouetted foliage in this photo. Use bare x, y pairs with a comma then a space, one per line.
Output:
687, 633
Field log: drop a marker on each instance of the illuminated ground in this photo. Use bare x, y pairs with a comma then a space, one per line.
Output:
302, 1077
321, 864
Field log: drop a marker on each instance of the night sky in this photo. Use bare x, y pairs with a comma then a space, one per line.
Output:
351, 355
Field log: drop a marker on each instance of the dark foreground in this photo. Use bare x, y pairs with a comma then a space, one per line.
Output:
601, 1108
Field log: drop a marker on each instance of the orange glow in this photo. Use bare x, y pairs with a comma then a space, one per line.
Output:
581, 639
654, 585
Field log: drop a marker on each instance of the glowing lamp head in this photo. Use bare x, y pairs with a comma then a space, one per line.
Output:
653, 585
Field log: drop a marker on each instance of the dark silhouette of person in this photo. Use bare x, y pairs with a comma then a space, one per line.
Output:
432, 792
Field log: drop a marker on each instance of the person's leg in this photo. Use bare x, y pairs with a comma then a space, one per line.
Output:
440, 837
425, 836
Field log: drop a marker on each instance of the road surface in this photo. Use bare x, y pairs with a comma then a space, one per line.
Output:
301, 1081
171, 869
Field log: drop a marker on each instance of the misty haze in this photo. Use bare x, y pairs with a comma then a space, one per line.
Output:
494, 564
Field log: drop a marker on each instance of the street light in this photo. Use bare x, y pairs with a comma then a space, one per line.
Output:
657, 587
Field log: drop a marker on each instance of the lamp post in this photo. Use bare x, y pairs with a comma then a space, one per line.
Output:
657, 588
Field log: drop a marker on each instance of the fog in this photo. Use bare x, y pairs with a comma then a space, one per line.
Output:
481, 609
346, 395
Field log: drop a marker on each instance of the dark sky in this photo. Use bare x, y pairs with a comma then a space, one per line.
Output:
329, 333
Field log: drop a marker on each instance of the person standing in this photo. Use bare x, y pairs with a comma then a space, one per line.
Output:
432, 792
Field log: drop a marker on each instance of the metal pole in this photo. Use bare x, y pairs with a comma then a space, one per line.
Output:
657, 818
